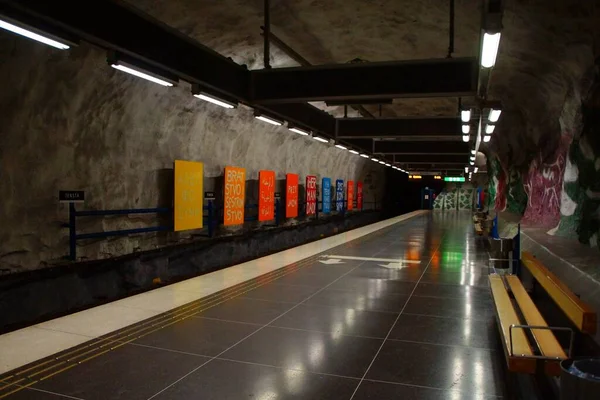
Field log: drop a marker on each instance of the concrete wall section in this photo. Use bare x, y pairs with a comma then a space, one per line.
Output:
69, 121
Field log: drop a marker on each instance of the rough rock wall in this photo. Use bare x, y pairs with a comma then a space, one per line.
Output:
543, 184
580, 197
69, 121
465, 198
497, 185
546, 65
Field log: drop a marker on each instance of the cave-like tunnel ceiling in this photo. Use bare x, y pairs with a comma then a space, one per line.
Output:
388, 78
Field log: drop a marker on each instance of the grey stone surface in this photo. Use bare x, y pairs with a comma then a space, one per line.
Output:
69, 121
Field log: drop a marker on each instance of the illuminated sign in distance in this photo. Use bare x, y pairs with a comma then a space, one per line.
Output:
454, 178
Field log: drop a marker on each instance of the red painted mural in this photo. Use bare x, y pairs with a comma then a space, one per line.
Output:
543, 185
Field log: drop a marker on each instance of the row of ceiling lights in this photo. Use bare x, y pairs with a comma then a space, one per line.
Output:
489, 52
163, 80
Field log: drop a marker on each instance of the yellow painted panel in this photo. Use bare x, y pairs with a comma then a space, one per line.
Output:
576, 310
189, 195
545, 339
507, 317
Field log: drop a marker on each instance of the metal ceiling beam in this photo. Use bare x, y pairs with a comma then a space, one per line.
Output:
390, 147
349, 128
305, 63
358, 81
430, 167
432, 159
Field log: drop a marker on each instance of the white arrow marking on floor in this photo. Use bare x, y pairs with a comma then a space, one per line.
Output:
388, 260
393, 265
332, 261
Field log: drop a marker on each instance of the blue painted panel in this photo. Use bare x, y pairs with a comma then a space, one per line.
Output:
326, 195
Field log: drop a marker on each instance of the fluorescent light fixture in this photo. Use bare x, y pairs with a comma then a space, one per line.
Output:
487, 138
364, 155
374, 159
465, 115
32, 35
475, 169
382, 162
299, 131
494, 115
466, 138
339, 146
491, 42
214, 100
472, 162
268, 120
473, 152
141, 74
466, 169
354, 152
466, 129
472, 158
320, 139
388, 165
489, 129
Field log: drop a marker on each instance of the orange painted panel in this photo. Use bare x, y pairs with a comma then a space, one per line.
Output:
291, 196
350, 195
235, 192
266, 193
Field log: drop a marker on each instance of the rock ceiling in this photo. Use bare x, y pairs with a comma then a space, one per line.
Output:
547, 49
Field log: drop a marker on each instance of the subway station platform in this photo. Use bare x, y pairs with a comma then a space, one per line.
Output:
398, 309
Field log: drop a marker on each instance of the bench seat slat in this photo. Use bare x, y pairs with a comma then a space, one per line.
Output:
582, 316
507, 316
545, 339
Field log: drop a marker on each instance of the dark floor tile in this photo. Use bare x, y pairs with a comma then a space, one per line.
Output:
449, 331
199, 336
374, 271
338, 320
247, 310
228, 380
30, 394
470, 370
369, 390
367, 285
360, 301
456, 278
456, 291
451, 307
304, 278
282, 293
128, 373
337, 270
329, 353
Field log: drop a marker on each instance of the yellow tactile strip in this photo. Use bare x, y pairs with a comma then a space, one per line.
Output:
40, 370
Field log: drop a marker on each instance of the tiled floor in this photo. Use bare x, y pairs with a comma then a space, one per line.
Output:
355, 330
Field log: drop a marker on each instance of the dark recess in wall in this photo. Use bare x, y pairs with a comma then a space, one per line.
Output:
403, 195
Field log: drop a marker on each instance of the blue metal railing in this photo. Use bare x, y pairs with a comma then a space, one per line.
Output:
210, 219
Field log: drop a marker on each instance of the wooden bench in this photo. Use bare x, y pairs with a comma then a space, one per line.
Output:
518, 316
582, 316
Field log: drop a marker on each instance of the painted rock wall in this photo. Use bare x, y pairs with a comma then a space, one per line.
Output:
465, 198
580, 197
543, 185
